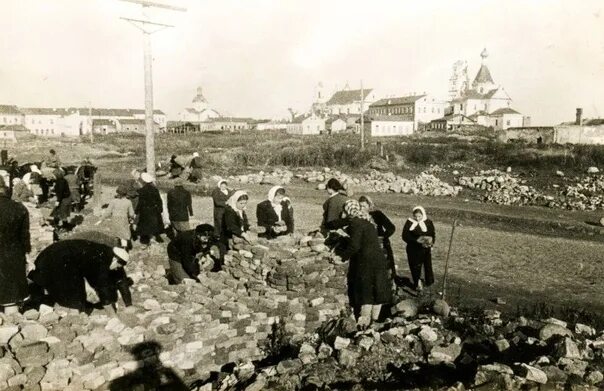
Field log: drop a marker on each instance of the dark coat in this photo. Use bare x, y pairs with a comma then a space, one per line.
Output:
149, 209
184, 249
333, 208
220, 200
267, 217
368, 272
63, 194
63, 267
180, 205
385, 229
415, 251
233, 224
14, 244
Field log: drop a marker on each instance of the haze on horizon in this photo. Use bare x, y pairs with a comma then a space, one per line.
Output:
258, 57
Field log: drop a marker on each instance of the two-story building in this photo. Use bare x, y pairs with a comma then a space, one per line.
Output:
418, 109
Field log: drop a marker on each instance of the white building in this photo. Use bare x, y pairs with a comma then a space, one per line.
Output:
201, 110
348, 101
505, 118
295, 126
391, 126
336, 125
314, 124
272, 125
419, 109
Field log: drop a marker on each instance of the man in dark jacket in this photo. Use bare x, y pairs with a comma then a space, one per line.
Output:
63, 268
189, 249
149, 209
180, 207
14, 244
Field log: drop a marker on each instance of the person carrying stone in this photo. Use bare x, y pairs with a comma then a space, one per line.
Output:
180, 208
52, 160
235, 223
191, 252
120, 214
149, 211
220, 196
385, 229
14, 245
273, 214
369, 284
419, 234
63, 268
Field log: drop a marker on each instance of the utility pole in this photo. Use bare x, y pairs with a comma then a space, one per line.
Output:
362, 118
91, 124
146, 27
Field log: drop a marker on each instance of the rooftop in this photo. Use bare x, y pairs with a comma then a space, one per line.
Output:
14, 128
483, 75
505, 110
402, 100
345, 97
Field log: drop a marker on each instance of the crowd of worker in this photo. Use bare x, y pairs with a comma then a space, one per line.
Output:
356, 230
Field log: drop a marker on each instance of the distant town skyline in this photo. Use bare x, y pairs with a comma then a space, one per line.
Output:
257, 58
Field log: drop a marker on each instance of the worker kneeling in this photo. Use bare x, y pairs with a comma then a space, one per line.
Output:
63, 268
192, 252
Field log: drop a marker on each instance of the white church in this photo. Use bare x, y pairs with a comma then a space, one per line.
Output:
200, 112
485, 102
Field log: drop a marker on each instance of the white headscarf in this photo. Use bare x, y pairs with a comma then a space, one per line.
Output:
232, 201
220, 182
421, 222
147, 178
271, 197
35, 169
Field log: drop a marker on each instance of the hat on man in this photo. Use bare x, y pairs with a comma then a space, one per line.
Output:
146, 177
121, 254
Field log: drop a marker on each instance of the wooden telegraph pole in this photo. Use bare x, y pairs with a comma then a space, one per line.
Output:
148, 28
362, 117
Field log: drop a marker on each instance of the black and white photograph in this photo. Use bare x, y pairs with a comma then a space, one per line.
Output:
288, 195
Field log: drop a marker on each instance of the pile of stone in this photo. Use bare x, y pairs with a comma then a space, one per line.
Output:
504, 188
586, 194
275, 177
385, 182
419, 352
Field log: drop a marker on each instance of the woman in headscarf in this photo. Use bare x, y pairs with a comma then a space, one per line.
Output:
175, 167
235, 222
196, 168
220, 196
369, 285
21, 192
62, 210
149, 210
35, 178
273, 214
63, 268
120, 214
334, 206
419, 234
385, 229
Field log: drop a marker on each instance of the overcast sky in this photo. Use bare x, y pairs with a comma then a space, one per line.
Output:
259, 57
